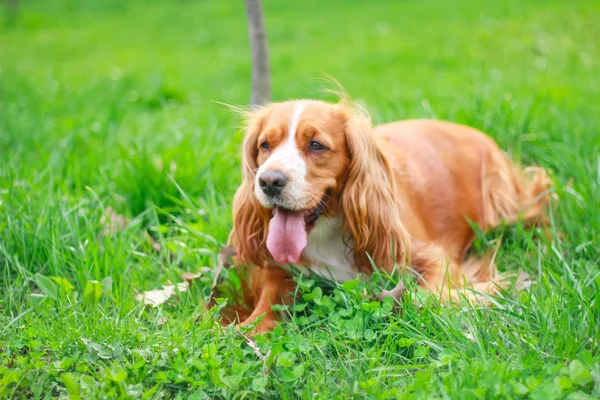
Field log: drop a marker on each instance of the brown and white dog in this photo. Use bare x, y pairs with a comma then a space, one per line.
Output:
324, 190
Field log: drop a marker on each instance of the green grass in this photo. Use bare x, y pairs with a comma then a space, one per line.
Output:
113, 103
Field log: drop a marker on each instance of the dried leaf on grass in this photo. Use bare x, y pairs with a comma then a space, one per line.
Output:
157, 297
396, 293
256, 349
263, 357
112, 222
155, 245
192, 276
225, 254
520, 280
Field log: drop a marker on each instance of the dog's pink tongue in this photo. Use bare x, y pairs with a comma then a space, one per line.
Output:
287, 236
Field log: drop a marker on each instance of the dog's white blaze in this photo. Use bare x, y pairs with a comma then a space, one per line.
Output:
289, 158
329, 255
298, 108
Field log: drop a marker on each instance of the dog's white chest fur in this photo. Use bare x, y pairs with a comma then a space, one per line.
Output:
329, 255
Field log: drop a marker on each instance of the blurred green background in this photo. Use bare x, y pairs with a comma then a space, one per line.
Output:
118, 103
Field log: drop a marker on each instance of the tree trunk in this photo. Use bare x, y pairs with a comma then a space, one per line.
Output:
261, 79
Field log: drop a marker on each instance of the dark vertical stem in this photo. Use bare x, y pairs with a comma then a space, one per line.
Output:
261, 77
12, 6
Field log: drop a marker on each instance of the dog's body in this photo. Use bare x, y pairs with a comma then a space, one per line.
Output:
324, 191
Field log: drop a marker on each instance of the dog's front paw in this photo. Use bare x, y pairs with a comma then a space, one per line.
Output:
259, 325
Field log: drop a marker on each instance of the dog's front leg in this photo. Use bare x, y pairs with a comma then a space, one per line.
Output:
273, 286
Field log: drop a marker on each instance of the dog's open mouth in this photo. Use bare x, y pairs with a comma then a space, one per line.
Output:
288, 232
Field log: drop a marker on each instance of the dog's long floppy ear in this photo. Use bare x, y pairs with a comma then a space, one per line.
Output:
250, 219
368, 202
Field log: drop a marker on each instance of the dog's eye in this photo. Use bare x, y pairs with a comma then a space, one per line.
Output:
265, 146
316, 146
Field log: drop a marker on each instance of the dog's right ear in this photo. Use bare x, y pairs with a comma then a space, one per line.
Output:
368, 200
250, 218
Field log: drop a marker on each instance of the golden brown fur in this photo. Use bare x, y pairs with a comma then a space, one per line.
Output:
404, 191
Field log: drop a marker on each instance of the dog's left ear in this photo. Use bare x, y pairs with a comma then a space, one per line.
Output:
250, 219
368, 200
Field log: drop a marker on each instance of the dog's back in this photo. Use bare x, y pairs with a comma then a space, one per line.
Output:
449, 174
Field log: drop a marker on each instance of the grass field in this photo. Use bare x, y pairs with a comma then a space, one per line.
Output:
114, 103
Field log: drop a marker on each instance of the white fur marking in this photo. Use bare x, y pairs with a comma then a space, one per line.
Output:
329, 255
290, 160
300, 106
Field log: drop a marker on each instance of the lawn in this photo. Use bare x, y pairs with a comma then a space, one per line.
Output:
118, 104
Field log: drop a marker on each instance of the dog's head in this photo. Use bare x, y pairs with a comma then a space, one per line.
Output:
304, 160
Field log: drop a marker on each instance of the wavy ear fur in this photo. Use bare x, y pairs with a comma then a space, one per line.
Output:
250, 219
369, 202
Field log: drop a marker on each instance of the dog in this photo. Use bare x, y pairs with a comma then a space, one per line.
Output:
325, 191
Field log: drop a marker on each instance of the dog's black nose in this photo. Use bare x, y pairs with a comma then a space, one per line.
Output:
272, 182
